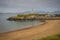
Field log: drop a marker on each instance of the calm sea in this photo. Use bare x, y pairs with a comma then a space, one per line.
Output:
6, 26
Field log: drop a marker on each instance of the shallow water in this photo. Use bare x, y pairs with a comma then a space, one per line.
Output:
6, 26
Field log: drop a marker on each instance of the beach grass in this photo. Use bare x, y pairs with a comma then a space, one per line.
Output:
55, 37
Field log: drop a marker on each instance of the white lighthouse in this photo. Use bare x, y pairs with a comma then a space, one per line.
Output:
33, 11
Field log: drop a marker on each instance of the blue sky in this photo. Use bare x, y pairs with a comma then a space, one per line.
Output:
27, 5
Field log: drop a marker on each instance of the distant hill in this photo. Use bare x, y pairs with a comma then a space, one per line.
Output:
56, 12
40, 12
36, 12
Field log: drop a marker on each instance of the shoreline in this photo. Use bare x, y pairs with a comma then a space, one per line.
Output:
23, 28
50, 27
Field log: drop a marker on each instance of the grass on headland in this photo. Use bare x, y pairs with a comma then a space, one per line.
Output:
55, 37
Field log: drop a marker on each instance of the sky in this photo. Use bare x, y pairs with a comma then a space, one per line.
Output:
14, 6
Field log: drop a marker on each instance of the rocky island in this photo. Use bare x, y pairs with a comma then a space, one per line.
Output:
31, 17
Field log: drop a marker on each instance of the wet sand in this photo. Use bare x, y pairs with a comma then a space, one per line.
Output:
50, 27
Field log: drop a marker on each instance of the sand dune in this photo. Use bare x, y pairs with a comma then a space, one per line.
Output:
51, 27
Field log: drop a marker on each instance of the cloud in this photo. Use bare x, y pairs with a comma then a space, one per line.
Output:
12, 5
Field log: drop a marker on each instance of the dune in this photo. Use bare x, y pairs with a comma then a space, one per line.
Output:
50, 27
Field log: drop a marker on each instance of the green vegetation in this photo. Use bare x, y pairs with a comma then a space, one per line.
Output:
25, 14
31, 17
55, 37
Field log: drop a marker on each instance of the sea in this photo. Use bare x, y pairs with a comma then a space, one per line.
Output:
6, 26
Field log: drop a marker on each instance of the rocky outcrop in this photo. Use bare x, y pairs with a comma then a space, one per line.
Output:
32, 17
24, 17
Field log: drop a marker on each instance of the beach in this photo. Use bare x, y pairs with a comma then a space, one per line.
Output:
50, 27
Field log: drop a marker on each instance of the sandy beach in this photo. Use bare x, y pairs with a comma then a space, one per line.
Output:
50, 27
